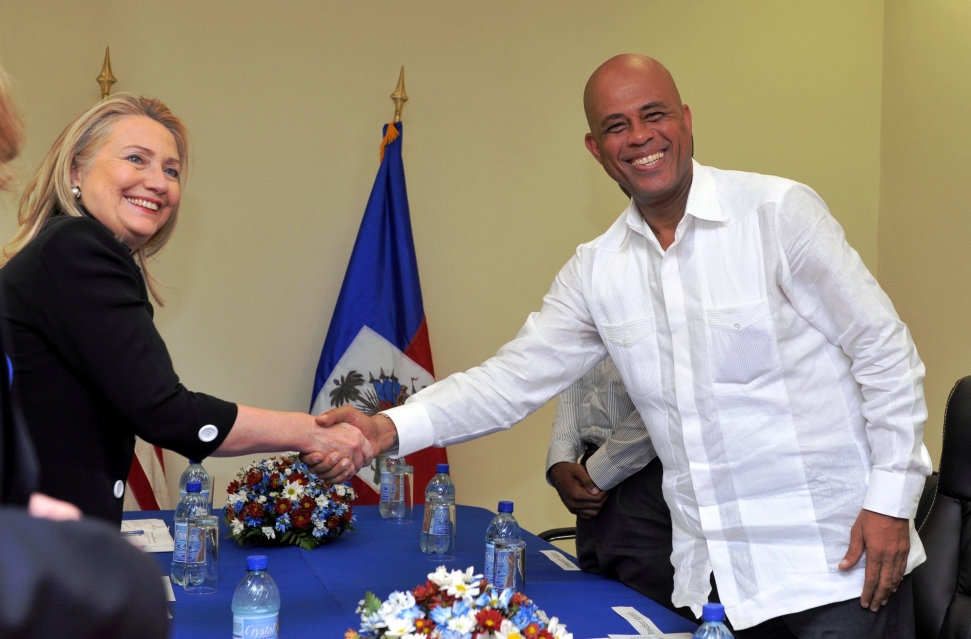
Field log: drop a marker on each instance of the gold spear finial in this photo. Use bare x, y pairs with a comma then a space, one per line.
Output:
399, 96
106, 78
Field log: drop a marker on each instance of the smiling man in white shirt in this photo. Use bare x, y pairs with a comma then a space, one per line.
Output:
782, 393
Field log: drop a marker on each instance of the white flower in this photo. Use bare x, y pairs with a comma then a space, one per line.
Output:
558, 629
232, 499
320, 524
508, 630
293, 490
238, 527
464, 585
440, 577
340, 489
464, 624
262, 499
242, 495
398, 627
322, 501
269, 532
287, 471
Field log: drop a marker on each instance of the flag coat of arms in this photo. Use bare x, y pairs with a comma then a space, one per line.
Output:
377, 353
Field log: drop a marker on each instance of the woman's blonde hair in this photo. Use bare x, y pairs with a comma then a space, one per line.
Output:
49, 191
11, 131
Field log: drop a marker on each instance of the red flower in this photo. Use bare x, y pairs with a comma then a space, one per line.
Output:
299, 478
424, 626
275, 482
233, 487
518, 599
283, 506
253, 510
531, 631
254, 477
545, 634
300, 518
307, 503
333, 521
488, 620
346, 517
424, 594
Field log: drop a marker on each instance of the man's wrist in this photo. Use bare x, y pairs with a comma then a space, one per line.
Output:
388, 434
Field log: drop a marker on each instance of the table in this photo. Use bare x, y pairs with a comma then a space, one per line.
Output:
320, 589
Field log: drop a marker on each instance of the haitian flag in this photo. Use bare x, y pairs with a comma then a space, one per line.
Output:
377, 352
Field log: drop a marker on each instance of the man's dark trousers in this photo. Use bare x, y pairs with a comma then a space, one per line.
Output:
630, 540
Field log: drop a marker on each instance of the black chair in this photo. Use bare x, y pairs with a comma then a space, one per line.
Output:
942, 584
557, 534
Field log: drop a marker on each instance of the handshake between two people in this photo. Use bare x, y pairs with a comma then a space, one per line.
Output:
350, 440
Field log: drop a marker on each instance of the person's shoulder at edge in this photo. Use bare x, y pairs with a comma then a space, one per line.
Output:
66, 237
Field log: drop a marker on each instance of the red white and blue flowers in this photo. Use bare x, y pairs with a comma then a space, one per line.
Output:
280, 502
455, 605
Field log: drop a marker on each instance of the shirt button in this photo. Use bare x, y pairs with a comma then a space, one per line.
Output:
737, 327
119, 489
208, 433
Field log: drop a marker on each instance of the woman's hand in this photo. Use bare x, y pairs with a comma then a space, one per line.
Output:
349, 449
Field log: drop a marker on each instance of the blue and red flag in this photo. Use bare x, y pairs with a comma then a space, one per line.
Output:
377, 352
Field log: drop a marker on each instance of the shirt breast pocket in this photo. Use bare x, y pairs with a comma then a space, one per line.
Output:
633, 348
741, 344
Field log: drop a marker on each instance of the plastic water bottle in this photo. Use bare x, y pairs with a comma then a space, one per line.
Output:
195, 472
256, 603
192, 505
503, 526
385, 467
438, 529
713, 626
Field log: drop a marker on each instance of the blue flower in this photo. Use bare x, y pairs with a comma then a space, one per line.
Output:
525, 616
283, 522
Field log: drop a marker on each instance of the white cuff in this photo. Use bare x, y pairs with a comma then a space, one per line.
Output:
893, 494
415, 430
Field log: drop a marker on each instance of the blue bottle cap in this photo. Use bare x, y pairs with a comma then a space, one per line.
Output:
192, 462
713, 612
505, 506
441, 468
193, 487
256, 562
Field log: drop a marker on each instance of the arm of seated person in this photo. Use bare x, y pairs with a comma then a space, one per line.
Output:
337, 452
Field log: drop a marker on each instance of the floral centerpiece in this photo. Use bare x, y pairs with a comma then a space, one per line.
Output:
279, 502
455, 605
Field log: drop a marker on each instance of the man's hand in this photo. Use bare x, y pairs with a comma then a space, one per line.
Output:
348, 451
887, 543
379, 429
577, 491
44, 507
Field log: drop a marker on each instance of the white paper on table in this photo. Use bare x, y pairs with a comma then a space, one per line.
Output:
642, 624
676, 635
167, 585
560, 560
151, 535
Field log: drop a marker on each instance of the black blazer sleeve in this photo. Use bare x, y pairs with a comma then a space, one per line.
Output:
90, 302
75, 579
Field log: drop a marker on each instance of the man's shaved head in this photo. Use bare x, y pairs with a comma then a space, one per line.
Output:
624, 69
640, 132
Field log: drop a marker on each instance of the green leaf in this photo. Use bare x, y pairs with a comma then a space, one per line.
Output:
371, 602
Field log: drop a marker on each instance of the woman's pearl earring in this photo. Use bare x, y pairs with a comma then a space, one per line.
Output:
76, 190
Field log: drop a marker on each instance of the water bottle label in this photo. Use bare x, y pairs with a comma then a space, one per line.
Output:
195, 552
385, 485
256, 627
490, 561
181, 539
441, 521
504, 566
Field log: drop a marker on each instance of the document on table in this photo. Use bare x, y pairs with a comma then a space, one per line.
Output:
151, 535
642, 624
560, 560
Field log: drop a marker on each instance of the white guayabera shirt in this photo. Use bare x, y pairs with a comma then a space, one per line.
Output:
781, 391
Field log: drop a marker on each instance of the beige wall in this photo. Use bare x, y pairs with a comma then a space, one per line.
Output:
285, 102
925, 194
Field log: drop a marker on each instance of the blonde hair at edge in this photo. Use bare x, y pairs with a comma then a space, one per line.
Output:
11, 132
49, 190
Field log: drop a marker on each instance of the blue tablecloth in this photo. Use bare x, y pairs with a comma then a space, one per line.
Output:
320, 589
